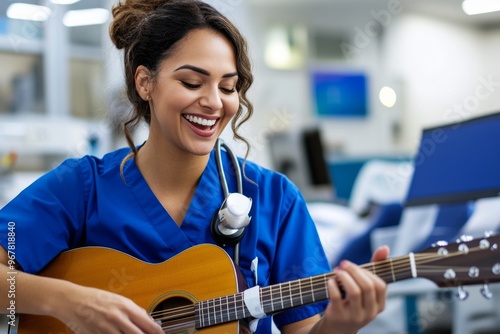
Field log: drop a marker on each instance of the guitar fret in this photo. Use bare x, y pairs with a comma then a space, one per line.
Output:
301, 296
243, 306
290, 293
281, 297
312, 289
235, 314
199, 315
227, 309
272, 300
209, 306
325, 281
202, 316
392, 271
220, 312
296, 293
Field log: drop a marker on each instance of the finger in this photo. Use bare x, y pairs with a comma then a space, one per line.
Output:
143, 321
148, 325
380, 254
380, 290
335, 295
373, 288
119, 320
363, 281
352, 290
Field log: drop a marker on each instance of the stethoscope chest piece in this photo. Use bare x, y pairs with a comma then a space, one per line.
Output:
229, 222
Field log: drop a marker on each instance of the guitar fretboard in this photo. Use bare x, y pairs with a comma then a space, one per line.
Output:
283, 296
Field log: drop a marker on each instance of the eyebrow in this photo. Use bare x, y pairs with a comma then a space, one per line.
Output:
202, 71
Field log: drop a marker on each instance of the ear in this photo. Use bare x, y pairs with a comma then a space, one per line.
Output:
142, 80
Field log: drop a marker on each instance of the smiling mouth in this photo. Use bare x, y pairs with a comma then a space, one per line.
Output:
201, 123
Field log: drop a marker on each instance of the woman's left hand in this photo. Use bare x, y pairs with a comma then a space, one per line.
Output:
364, 299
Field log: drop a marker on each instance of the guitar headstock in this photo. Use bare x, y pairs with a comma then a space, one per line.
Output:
464, 262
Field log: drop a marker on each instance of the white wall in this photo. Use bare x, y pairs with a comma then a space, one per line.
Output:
491, 54
443, 70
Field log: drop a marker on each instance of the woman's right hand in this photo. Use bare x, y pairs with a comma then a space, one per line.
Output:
85, 310
93, 311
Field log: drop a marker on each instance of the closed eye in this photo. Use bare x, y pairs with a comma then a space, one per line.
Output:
190, 85
228, 90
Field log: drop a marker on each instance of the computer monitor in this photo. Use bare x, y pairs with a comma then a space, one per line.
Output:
319, 173
457, 162
340, 95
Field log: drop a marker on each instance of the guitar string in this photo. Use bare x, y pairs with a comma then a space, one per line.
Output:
315, 283
384, 268
188, 310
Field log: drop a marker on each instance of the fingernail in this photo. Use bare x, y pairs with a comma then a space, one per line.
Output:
344, 264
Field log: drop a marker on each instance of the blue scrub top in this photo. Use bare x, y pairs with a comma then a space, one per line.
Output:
86, 202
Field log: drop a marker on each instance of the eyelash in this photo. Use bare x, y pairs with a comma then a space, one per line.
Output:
192, 86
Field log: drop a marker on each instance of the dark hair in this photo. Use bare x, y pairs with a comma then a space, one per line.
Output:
149, 31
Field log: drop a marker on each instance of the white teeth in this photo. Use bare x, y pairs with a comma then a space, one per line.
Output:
199, 120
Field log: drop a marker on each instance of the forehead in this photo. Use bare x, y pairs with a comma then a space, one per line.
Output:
204, 48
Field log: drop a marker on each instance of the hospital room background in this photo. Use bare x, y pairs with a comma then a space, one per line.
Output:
385, 113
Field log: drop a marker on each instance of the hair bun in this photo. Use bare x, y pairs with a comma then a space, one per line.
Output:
126, 18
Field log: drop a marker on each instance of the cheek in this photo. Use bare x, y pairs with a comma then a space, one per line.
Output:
232, 105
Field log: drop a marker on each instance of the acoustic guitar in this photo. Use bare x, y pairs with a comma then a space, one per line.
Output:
200, 290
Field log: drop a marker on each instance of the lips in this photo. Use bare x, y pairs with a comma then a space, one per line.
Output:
202, 126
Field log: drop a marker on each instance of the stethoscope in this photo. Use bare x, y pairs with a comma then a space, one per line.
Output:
230, 220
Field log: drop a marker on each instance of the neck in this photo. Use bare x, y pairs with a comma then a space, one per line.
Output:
170, 168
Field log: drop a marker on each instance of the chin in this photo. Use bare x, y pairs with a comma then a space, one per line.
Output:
202, 149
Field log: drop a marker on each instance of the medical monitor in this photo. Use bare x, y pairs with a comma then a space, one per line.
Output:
341, 95
457, 162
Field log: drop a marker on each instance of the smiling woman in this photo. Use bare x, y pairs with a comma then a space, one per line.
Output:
187, 75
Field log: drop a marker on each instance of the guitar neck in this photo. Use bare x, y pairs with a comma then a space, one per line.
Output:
464, 262
300, 292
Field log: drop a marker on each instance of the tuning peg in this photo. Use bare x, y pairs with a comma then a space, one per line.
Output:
485, 291
465, 238
440, 243
461, 293
488, 234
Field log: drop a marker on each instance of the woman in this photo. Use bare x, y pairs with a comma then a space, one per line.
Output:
187, 75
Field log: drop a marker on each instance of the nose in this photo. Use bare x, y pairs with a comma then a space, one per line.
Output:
211, 98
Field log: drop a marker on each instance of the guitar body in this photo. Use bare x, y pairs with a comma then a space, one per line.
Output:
199, 273
200, 289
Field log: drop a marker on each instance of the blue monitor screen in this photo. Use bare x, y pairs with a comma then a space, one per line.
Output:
340, 94
457, 162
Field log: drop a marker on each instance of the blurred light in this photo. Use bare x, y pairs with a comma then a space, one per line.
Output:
387, 96
85, 17
473, 7
24, 11
64, 2
285, 47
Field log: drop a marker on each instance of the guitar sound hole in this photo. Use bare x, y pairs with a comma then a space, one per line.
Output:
175, 315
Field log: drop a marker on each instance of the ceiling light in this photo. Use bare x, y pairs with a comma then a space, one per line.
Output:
473, 7
85, 17
64, 2
388, 96
24, 11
